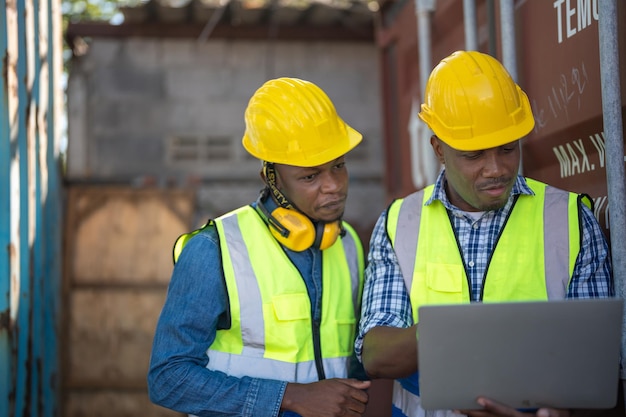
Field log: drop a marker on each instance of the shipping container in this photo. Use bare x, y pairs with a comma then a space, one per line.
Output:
30, 207
556, 50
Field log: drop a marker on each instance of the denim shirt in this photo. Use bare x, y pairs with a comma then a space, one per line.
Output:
196, 303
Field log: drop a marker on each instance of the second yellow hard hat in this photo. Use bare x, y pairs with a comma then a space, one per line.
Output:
472, 103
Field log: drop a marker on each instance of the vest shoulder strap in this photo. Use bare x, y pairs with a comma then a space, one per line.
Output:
182, 240
224, 320
406, 212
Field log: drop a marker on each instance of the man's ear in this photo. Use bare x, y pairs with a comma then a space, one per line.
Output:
435, 142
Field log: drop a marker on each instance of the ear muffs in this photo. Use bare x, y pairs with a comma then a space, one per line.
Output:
297, 232
326, 234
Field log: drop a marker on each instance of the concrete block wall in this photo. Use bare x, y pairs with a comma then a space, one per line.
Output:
128, 97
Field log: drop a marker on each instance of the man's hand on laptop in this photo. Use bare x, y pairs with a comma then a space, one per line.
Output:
495, 409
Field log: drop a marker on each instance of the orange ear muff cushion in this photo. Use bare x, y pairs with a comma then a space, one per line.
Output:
329, 235
301, 231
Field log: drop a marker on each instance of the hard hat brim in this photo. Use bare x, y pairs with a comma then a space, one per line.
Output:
309, 159
491, 140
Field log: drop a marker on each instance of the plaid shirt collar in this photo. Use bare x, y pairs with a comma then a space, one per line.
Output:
439, 193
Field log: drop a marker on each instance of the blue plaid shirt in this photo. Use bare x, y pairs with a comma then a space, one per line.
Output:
386, 300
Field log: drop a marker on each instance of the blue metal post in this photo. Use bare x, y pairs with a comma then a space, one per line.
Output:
52, 228
37, 354
23, 325
5, 213
30, 201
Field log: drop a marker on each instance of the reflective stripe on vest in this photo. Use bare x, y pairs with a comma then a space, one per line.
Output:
271, 326
407, 404
551, 253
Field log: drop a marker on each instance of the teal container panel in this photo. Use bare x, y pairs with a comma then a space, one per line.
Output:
30, 207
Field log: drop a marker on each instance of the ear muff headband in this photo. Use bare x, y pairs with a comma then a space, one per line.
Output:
270, 179
276, 226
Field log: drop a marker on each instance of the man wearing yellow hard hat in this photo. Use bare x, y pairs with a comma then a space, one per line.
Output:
261, 312
456, 239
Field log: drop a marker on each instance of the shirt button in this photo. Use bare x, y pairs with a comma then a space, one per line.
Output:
471, 263
475, 226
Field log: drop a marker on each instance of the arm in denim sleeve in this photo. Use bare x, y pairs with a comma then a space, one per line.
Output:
178, 378
592, 277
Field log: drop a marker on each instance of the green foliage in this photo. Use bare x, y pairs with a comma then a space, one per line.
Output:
88, 10
75, 11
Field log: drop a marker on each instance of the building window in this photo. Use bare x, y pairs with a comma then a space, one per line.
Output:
200, 150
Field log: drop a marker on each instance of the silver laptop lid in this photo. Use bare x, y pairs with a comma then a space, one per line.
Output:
561, 354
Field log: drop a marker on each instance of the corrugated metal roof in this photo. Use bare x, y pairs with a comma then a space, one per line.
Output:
247, 12
242, 19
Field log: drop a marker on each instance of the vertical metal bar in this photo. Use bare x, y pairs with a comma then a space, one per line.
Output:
36, 204
507, 25
470, 25
509, 49
23, 306
423, 9
52, 214
491, 23
424, 169
10, 316
612, 118
5, 222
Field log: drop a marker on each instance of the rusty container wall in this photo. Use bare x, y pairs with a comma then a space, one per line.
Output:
118, 261
30, 207
399, 87
406, 157
558, 66
560, 70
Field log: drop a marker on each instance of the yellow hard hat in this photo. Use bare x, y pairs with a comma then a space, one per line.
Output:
472, 103
292, 121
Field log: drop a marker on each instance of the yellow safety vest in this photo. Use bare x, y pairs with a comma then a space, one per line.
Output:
271, 333
533, 259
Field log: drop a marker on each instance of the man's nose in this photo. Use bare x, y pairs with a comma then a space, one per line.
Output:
494, 165
331, 182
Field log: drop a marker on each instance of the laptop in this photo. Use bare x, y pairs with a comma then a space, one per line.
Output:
559, 354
